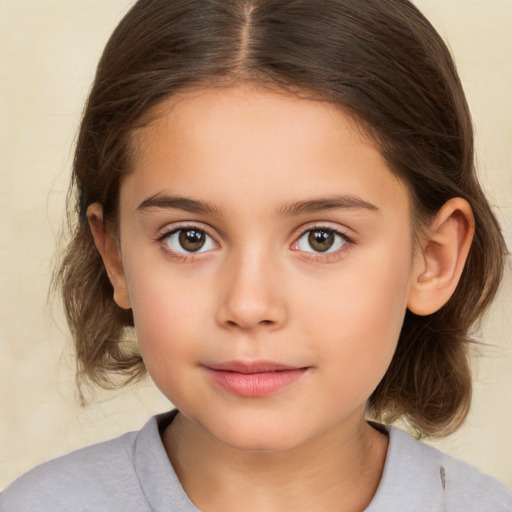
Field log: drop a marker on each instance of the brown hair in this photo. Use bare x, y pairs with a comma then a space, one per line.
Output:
381, 60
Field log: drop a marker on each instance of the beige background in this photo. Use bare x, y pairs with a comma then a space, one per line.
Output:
48, 53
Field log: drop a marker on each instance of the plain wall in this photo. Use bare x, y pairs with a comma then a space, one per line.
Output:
48, 54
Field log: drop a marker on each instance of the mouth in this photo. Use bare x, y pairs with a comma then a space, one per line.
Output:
254, 379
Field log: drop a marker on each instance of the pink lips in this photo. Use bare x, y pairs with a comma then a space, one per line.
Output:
255, 379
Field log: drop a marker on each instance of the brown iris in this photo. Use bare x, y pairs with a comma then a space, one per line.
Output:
321, 240
192, 239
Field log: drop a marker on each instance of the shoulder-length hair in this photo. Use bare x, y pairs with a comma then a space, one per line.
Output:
382, 61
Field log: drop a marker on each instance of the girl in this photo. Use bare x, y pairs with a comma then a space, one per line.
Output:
278, 197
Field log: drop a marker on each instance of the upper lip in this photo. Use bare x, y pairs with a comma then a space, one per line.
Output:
251, 366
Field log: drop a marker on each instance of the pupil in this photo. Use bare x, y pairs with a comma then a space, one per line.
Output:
321, 241
191, 239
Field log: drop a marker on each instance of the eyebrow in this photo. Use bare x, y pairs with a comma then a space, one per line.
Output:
163, 201
328, 203
178, 203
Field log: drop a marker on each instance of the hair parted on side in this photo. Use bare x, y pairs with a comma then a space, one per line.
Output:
379, 59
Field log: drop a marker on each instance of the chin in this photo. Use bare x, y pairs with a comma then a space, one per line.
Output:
261, 436
269, 444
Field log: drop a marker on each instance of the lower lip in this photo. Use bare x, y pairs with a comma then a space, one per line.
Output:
255, 384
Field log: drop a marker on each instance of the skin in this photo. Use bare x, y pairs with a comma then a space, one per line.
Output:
258, 290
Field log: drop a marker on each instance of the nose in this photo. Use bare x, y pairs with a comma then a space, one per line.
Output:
252, 294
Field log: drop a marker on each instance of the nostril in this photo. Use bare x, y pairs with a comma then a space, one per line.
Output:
233, 323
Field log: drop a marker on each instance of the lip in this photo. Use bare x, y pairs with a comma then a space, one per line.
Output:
254, 379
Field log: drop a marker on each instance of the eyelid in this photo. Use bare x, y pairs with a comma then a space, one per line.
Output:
172, 228
323, 257
327, 226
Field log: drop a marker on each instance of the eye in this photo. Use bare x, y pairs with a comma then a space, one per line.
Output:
321, 240
188, 240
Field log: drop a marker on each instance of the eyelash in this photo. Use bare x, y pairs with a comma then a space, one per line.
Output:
182, 257
323, 257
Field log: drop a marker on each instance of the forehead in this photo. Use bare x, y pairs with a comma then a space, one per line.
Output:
245, 114
247, 141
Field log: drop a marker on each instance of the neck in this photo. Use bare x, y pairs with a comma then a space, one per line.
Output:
338, 470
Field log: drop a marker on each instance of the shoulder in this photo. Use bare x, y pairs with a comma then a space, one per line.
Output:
467, 489
433, 481
131, 473
91, 478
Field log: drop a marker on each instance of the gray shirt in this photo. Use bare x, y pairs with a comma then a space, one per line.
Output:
132, 473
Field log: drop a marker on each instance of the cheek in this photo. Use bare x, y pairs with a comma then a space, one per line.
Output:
166, 319
167, 329
357, 322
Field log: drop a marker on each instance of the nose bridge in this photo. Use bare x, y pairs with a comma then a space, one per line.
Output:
251, 289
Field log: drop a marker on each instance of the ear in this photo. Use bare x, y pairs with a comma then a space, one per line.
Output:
108, 246
440, 262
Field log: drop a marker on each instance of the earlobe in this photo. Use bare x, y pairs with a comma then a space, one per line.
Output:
108, 247
439, 264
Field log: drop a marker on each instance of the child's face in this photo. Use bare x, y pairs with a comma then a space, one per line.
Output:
295, 253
